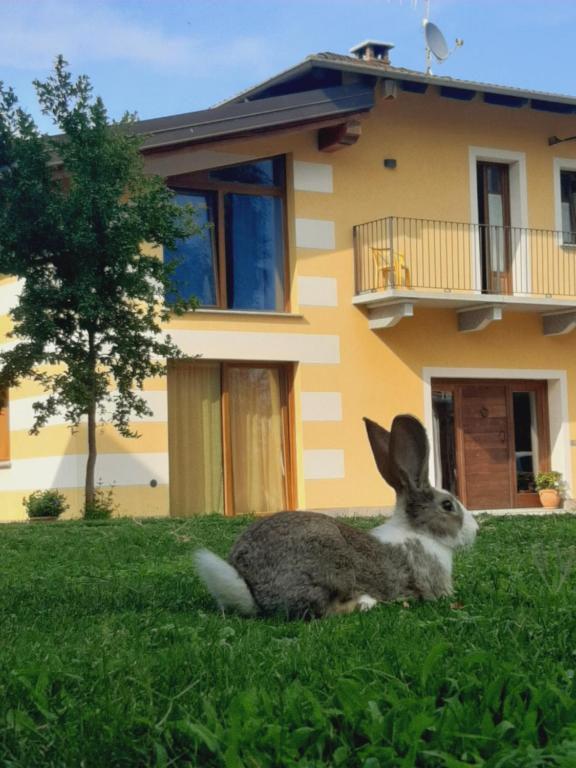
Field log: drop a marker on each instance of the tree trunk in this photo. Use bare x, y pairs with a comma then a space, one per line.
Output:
92, 453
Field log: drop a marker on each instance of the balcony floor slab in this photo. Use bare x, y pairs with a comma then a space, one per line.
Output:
462, 300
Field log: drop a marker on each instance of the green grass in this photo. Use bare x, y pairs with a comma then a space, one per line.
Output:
111, 654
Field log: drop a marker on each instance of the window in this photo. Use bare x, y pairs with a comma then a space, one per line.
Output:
229, 446
526, 460
444, 437
568, 205
238, 259
4, 428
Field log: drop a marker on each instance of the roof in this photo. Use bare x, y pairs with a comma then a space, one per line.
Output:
416, 81
236, 119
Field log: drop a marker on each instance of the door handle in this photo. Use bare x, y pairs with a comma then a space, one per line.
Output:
502, 437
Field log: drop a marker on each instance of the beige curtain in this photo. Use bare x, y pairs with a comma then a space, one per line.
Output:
256, 440
195, 439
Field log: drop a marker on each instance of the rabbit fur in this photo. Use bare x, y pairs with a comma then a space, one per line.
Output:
311, 565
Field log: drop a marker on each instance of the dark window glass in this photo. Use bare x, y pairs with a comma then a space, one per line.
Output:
525, 439
195, 257
444, 440
248, 243
568, 190
254, 252
266, 173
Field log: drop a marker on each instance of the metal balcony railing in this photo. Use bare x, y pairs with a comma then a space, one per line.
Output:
446, 256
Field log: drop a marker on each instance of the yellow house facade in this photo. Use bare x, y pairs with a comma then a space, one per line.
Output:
377, 241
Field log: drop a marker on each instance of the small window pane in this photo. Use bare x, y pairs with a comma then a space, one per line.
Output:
268, 173
568, 190
525, 440
196, 256
444, 440
254, 252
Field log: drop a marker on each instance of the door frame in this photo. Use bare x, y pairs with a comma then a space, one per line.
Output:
540, 387
520, 262
286, 380
558, 413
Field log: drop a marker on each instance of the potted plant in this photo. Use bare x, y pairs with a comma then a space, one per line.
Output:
549, 487
45, 505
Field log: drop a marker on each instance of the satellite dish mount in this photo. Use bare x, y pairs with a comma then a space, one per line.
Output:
436, 44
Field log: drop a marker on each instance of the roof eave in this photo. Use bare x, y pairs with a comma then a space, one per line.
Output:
281, 77
392, 73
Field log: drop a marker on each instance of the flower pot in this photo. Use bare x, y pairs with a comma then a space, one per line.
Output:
550, 498
47, 519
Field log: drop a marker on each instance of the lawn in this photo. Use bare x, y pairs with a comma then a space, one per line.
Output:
111, 654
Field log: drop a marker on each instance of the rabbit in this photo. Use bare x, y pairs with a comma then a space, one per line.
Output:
304, 565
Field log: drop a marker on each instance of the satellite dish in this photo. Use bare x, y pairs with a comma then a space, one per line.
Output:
435, 41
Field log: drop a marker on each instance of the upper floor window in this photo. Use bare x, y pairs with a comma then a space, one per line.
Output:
238, 259
568, 202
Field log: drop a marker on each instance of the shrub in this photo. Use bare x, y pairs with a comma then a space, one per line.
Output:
545, 480
45, 504
103, 506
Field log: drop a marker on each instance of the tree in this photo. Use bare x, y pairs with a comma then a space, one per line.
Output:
75, 213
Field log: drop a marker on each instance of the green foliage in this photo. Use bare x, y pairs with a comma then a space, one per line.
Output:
543, 480
113, 654
102, 507
75, 211
45, 504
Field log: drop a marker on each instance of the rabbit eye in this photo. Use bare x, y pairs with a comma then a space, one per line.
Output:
447, 505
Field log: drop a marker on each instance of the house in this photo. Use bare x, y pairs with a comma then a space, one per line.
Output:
381, 241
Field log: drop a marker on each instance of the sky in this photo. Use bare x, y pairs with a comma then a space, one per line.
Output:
164, 57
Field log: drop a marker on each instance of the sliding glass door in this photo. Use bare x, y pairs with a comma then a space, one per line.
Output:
229, 443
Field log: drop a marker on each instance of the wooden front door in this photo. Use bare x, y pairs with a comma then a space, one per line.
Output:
486, 446
494, 222
490, 438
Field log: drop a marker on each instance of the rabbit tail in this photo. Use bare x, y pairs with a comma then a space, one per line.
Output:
224, 583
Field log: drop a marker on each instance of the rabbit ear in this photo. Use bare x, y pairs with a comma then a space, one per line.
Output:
409, 451
380, 443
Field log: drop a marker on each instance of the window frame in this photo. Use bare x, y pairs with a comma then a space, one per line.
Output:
200, 182
561, 164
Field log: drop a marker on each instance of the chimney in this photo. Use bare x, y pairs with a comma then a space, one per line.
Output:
372, 50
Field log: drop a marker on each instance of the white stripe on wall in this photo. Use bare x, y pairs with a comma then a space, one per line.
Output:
315, 233
324, 464
321, 406
22, 412
313, 177
117, 469
245, 345
318, 291
9, 294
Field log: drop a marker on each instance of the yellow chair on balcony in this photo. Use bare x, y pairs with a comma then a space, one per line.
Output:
384, 270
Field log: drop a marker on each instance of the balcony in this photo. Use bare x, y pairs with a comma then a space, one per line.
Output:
480, 271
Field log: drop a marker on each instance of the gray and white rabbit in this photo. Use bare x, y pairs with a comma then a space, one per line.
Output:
310, 565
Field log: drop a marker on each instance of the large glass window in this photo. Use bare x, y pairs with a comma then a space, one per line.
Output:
568, 197
237, 260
